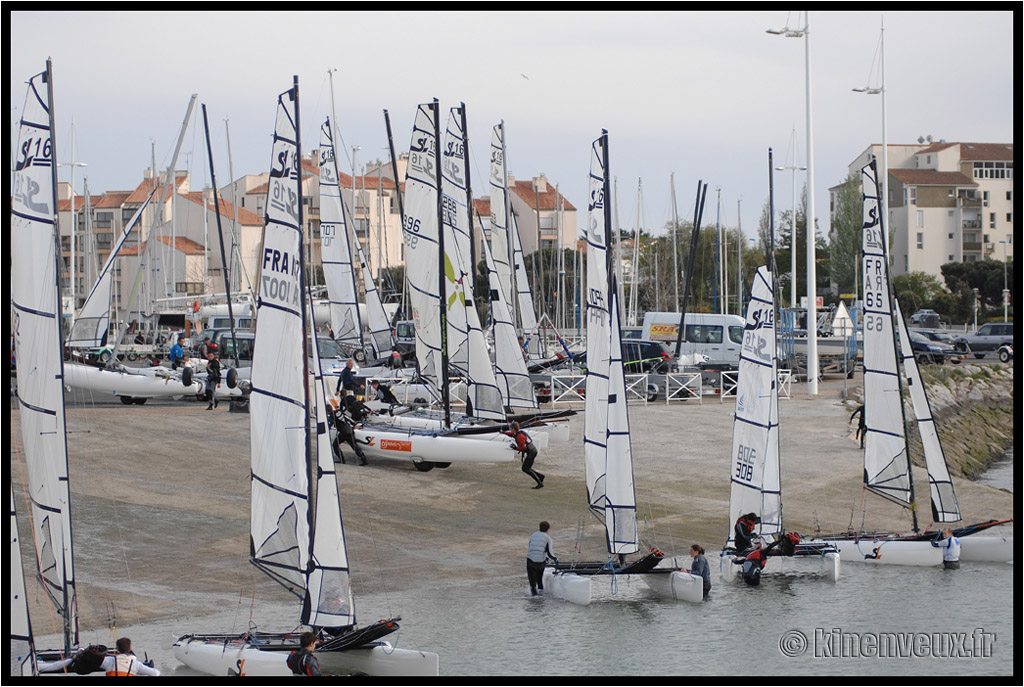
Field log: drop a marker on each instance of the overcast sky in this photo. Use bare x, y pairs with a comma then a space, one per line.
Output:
702, 95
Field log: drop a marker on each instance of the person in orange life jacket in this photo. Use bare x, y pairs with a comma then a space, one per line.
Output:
125, 663
304, 661
743, 533
524, 444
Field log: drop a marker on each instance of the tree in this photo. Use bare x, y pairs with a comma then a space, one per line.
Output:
918, 290
845, 236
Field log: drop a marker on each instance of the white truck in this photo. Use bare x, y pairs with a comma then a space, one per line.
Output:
715, 335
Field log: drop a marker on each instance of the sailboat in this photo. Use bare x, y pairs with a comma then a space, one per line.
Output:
23, 648
296, 533
755, 472
36, 305
131, 385
608, 455
887, 466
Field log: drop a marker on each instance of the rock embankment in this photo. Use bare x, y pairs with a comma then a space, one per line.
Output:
973, 410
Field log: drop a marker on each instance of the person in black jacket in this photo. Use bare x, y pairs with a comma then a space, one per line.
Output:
304, 661
212, 378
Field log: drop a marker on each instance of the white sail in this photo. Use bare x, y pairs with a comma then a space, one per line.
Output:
90, 329
509, 365
886, 468
754, 471
329, 590
335, 253
420, 235
279, 522
607, 454
466, 347
944, 504
527, 316
381, 335
23, 653
37, 340
501, 247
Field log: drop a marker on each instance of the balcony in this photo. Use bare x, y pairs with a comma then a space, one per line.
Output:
972, 224
972, 246
969, 202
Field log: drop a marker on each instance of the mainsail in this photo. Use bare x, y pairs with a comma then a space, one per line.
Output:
755, 484
292, 475
334, 249
466, 346
37, 340
381, 334
886, 464
421, 236
509, 365
90, 329
944, 504
607, 454
279, 522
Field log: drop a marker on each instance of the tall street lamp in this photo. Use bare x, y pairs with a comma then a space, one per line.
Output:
74, 223
883, 180
812, 304
1006, 291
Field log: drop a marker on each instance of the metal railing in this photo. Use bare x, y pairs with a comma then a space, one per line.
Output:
730, 380
567, 388
680, 386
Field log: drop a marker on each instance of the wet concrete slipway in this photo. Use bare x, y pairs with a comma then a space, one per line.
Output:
160, 497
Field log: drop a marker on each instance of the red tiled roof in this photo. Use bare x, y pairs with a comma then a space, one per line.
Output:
986, 152
931, 177
112, 199
547, 200
227, 210
186, 246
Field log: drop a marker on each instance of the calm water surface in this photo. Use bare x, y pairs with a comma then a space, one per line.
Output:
494, 627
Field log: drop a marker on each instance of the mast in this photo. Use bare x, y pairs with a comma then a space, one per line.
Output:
220, 232
698, 214
401, 206
441, 290
676, 276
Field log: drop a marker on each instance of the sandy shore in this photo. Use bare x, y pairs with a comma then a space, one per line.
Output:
161, 501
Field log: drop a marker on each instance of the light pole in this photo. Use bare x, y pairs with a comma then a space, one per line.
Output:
792, 225
1006, 292
812, 305
883, 180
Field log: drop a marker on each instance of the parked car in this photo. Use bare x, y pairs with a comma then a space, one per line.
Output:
987, 339
929, 351
925, 318
1005, 353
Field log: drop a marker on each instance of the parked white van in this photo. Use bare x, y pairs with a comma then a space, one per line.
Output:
717, 336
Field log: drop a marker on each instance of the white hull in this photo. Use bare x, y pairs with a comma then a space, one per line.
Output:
567, 586
677, 585
826, 565
975, 547
393, 443
118, 383
888, 551
233, 658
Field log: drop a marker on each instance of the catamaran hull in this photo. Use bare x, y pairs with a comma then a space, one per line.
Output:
986, 548
827, 565
243, 658
567, 586
117, 383
677, 585
434, 448
887, 551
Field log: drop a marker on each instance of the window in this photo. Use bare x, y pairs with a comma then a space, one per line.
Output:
1009, 217
104, 219
1009, 195
951, 236
949, 213
697, 333
920, 240
913, 195
736, 334
920, 218
949, 259
991, 220
984, 198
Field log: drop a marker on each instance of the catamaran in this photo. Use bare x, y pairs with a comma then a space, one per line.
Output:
888, 356
608, 456
296, 533
755, 471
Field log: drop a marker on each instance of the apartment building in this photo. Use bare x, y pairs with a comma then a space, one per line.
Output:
948, 202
